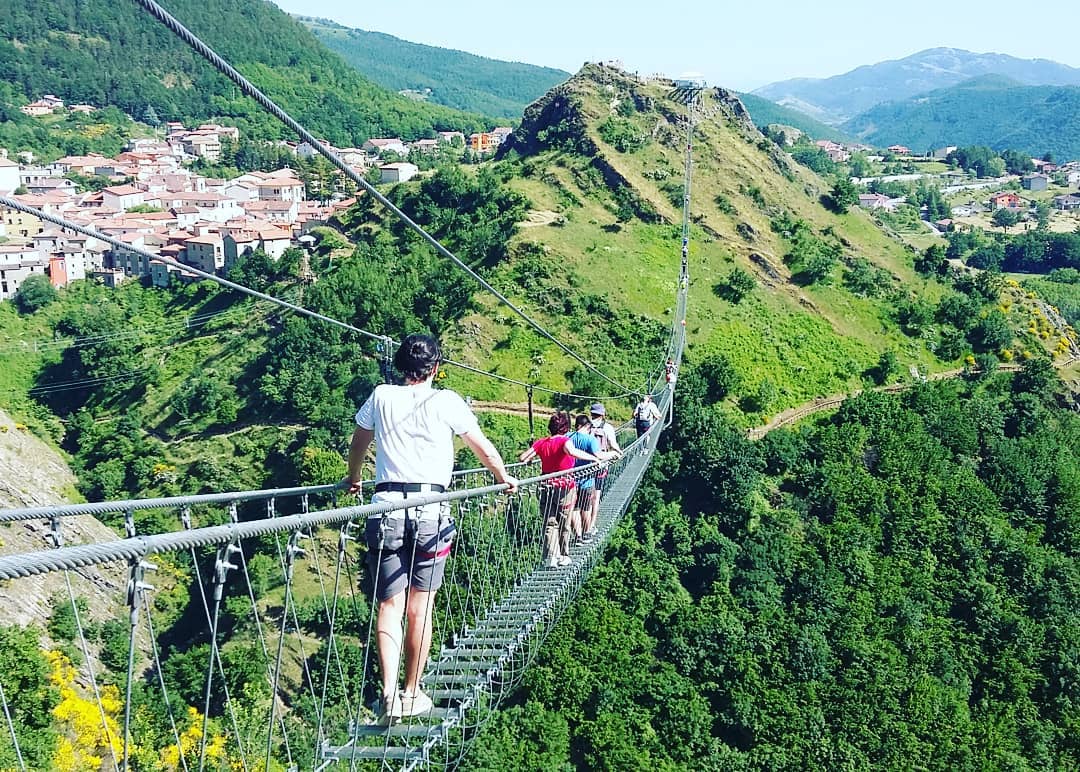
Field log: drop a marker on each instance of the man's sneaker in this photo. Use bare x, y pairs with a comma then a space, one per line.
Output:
415, 704
564, 560
389, 710
552, 563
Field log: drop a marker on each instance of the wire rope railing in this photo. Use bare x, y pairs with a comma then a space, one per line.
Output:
492, 572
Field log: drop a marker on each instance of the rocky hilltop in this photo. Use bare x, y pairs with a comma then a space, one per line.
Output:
31, 475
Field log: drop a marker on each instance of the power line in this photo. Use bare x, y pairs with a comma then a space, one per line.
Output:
383, 339
248, 88
80, 341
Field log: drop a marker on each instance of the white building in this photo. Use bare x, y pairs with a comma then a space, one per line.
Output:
17, 264
122, 197
397, 172
377, 146
9, 176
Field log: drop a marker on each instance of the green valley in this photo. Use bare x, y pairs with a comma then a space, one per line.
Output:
990, 110
441, 76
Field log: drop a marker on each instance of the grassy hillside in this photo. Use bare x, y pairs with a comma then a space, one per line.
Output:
612, 230
441, 75
105, 53
989, 111
765, 112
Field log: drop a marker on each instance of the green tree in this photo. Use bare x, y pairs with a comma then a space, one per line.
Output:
34, 293
932, 261
736, 285
317, 466
887, 366
1005, 218
843, 195
24, 674
992, 332
720, 376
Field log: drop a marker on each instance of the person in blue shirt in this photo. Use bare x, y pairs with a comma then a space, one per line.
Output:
583, 439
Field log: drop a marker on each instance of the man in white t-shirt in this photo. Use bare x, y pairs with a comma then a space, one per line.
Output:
413, 427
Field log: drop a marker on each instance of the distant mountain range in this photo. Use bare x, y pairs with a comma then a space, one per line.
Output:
990, 110
842, 97
763, 112
445, 76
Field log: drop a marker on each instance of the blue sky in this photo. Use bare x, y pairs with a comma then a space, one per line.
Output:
736, 44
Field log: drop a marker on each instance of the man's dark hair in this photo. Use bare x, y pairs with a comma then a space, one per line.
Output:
559, 423
417, 357
581, 420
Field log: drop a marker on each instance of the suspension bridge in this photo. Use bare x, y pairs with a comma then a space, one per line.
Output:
498, 603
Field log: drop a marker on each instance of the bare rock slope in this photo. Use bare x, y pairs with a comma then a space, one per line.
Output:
31, 475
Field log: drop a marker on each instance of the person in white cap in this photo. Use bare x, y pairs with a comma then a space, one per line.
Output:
605, 434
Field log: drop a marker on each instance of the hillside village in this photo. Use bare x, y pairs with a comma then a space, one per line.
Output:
157, 202
1018, 194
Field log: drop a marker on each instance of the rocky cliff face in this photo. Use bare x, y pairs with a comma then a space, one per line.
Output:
31, 475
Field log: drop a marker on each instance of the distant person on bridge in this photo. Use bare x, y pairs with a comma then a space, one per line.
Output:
605, 434
645, 414
413, 427
669, 372
557, 454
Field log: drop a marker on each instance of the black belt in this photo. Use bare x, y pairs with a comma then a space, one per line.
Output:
399, 487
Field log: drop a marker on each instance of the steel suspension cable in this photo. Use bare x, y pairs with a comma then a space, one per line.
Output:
270, 106
161, 682
58, 540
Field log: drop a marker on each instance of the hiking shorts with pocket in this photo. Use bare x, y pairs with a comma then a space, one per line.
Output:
408, 548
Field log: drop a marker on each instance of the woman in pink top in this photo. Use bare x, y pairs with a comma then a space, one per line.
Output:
557, 454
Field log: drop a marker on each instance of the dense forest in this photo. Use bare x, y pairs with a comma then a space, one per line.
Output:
895, 582
990, 110
443, 76
109, 54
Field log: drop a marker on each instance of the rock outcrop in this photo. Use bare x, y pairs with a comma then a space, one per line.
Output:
31, 475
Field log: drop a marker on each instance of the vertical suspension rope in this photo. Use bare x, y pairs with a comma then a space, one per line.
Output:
185, 519
136, 588
11, 728
529, 395
57, 535
221, 573
331, 616
292, 550
388, 360
161, 682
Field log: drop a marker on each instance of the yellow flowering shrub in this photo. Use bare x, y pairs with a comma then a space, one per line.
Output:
84, 743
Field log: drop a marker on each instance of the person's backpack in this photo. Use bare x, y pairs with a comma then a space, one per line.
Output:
600, 433
642, 412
